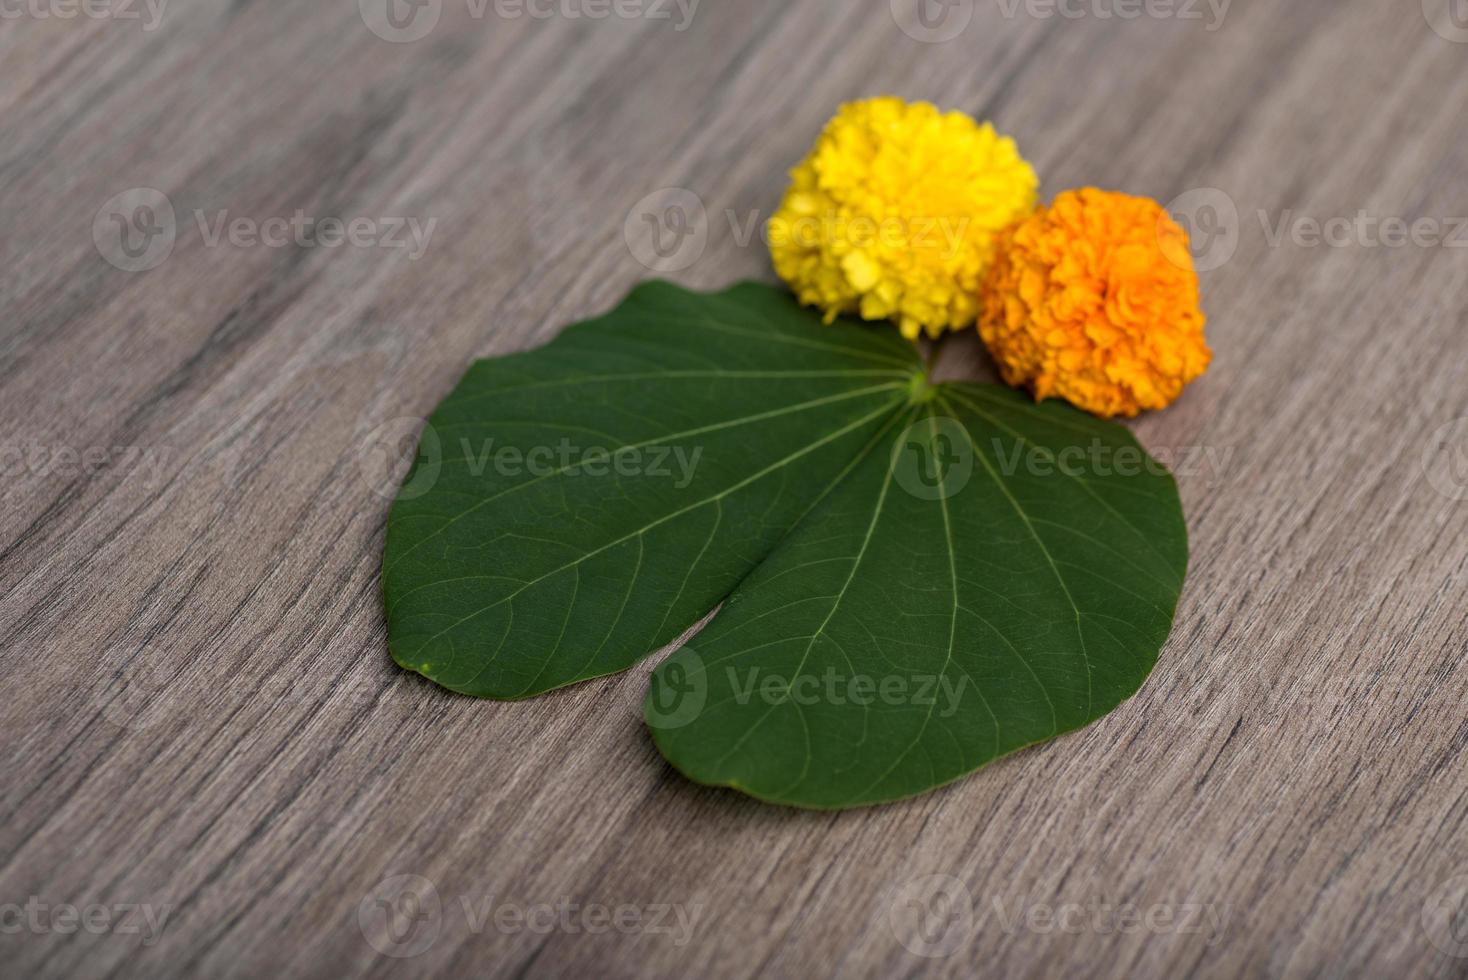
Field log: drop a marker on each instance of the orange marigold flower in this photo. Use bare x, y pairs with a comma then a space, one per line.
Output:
1095, 300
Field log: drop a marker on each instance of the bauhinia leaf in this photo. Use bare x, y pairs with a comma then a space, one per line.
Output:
575, 508
919, 579
998, 574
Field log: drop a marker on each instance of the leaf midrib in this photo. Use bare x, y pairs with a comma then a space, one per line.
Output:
662, 520
820, 631
729, 424
1044, 550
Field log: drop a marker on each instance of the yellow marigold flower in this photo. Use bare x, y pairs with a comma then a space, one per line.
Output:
895, 212
1095, 300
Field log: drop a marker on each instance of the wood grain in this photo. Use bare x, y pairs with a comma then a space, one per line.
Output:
198, 707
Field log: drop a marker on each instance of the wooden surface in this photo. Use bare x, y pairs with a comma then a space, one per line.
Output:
197, 703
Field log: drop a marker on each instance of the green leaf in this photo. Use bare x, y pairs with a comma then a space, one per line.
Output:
919, 578
998, 574
575, 508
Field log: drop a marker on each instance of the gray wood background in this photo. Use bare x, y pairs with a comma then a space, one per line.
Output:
200, 717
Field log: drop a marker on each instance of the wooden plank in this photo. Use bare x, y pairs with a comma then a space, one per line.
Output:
198, 707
